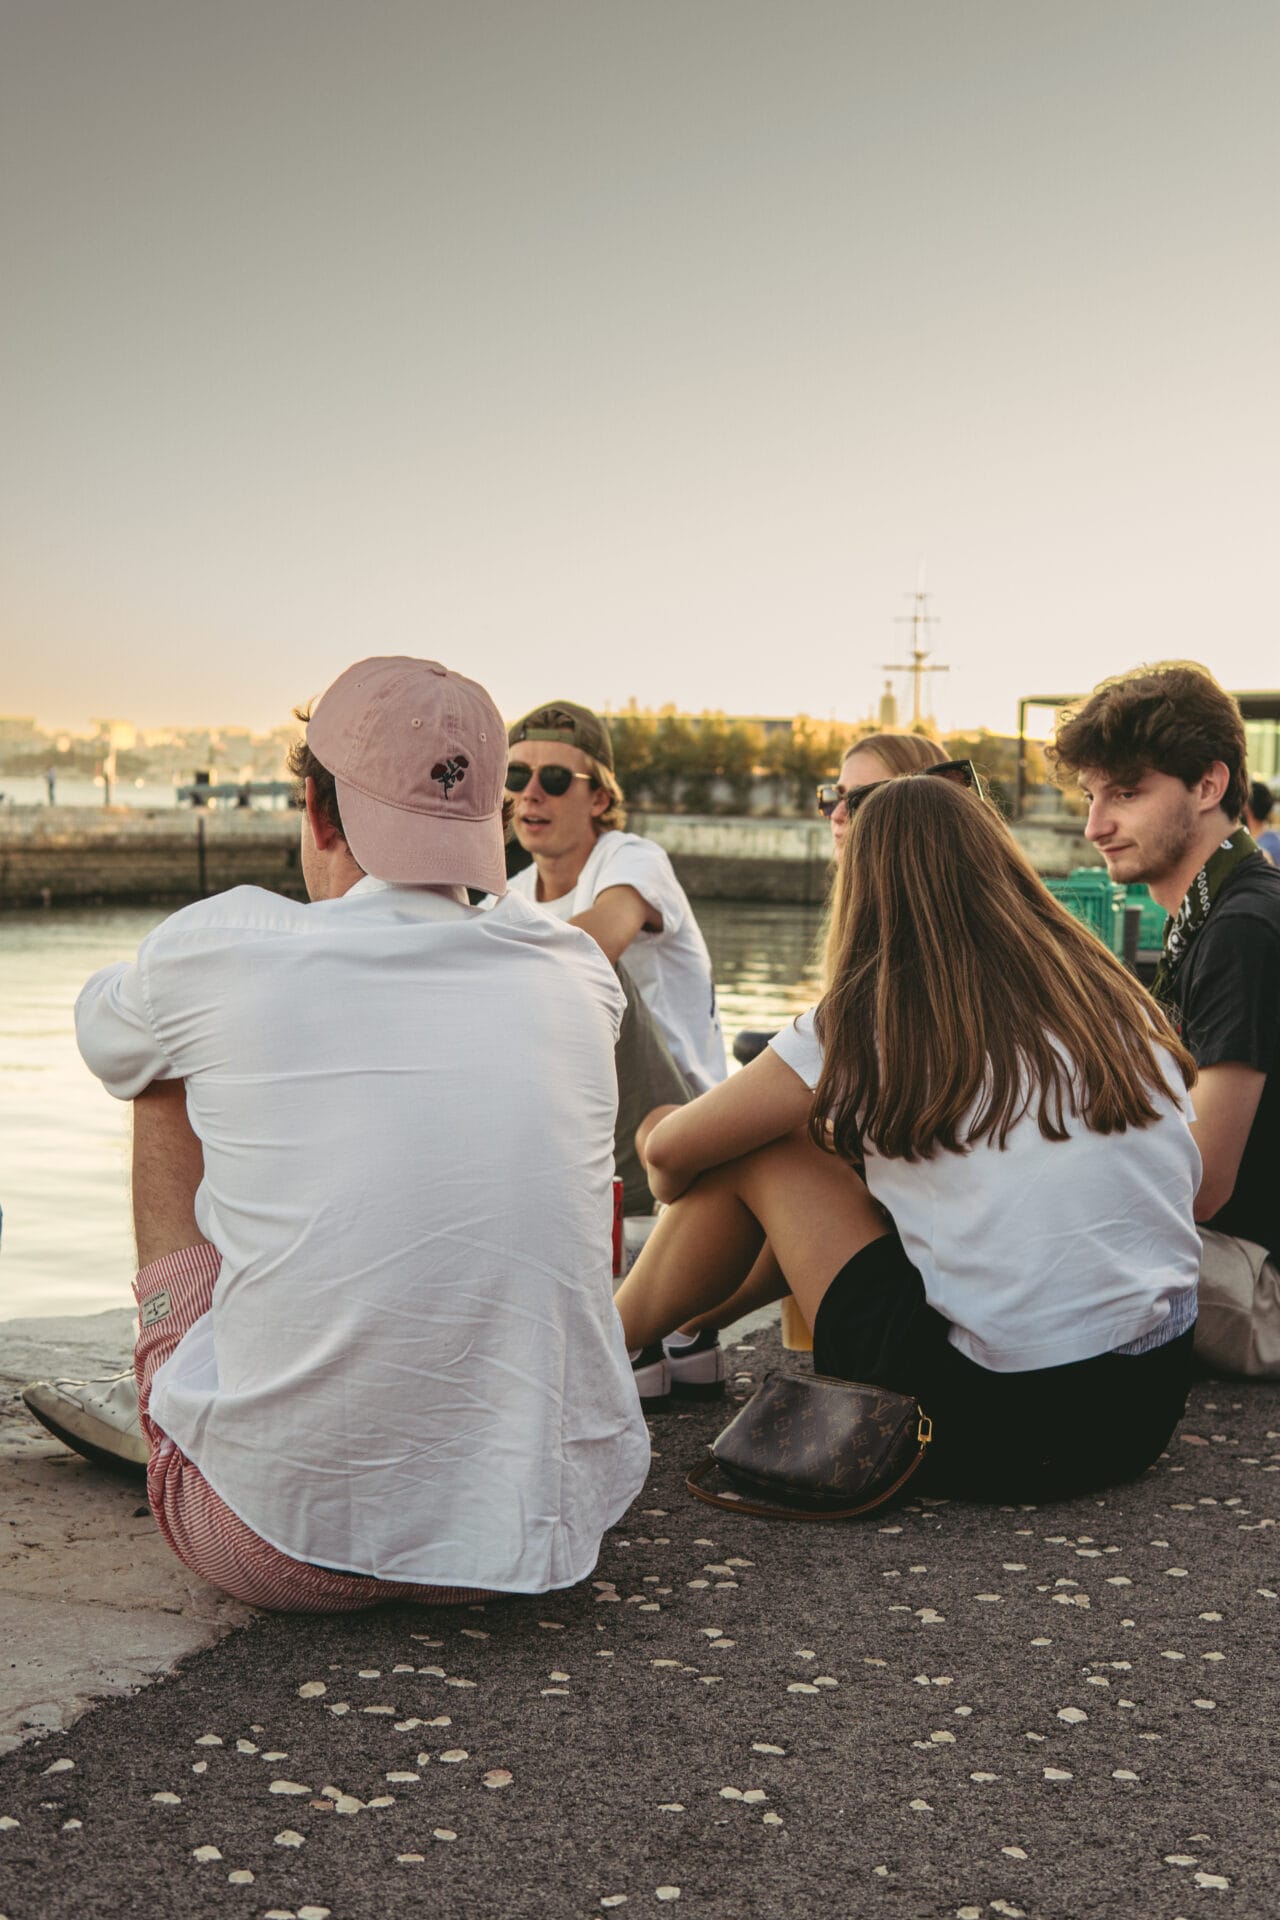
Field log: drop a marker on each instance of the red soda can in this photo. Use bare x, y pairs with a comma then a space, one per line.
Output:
617, 1229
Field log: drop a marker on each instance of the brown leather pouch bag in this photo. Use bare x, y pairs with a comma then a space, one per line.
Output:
810, 1447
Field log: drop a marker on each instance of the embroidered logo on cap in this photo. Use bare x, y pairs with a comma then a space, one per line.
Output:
450, 772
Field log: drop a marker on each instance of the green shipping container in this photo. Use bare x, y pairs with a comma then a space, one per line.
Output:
1096, 900
1151, 927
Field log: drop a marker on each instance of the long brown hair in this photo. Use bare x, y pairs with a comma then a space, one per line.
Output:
964, 997
898, 754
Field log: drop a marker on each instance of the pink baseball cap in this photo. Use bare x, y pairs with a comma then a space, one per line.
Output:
419, 755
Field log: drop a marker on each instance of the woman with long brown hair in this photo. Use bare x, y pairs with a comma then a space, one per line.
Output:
868, 760
973, 1160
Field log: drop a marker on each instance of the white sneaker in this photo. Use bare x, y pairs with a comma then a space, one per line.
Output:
696, 1366
98, 1418
652, 1376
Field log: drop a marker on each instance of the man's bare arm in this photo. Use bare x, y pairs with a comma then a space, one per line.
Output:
614, 919
168, 1166
1226, 1100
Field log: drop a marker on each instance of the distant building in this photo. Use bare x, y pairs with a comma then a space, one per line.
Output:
120, 736
768, 724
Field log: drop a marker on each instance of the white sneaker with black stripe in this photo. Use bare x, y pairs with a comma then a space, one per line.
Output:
652, 1375
697, 1365
680, 1368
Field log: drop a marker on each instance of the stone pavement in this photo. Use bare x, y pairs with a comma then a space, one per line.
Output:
92, 1603
948, 1711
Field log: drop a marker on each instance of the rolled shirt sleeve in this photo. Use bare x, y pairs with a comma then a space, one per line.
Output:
115, 1032
628, 861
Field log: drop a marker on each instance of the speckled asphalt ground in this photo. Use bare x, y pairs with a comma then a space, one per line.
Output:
952, 1711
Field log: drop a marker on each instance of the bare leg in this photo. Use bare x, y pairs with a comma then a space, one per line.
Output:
816, 1213
763, 1285
168, 1166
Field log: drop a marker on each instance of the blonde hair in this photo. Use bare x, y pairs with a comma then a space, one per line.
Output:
614, 817
900, 752
964, 998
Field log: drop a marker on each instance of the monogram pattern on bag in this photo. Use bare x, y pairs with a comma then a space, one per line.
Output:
819, 1441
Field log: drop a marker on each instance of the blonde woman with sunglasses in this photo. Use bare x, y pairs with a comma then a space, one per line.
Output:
876, 757
973, 1160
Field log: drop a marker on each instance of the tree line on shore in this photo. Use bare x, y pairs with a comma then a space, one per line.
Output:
712, 763
674, 762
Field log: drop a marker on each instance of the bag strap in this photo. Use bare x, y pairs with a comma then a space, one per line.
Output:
732, 1504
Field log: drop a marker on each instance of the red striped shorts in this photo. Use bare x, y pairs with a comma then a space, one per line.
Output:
206, 1535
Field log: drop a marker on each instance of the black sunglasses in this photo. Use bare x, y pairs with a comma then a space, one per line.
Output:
961, 773
553, 780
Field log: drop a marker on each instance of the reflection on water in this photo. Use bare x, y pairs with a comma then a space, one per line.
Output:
764, 960
67, 1246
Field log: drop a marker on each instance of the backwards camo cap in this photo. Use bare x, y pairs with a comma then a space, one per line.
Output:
572, 725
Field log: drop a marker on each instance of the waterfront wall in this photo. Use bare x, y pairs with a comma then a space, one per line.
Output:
82, 855
743, 859
63, 856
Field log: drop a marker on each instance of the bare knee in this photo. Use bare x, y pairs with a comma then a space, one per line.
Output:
783, 1160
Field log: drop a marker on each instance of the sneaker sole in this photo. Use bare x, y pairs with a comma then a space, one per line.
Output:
697, 1389
100, 1456
653, 1384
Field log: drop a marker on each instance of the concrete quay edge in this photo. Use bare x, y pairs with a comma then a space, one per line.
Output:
68, 856
92, 1602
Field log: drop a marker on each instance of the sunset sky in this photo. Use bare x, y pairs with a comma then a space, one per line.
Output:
633, 347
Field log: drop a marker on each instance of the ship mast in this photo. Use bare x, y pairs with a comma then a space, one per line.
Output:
918, 620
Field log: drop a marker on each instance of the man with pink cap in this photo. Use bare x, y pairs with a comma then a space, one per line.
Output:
378, 1356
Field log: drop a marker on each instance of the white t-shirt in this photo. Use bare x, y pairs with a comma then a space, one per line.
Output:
671, 969
412, 1367
1046, 1251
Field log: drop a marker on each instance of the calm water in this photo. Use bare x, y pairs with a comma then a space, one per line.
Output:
66, 1244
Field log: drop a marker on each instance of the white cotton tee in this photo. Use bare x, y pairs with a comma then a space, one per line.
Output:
1043, 1252
413, 1367
671, 969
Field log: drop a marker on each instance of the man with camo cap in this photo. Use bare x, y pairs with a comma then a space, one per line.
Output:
570, 817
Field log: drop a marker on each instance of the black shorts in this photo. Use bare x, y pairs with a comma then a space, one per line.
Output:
1042, 1435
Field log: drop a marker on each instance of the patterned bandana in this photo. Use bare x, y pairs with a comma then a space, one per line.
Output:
1180, 931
